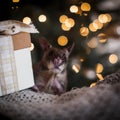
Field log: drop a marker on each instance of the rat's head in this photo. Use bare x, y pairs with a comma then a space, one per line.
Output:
56, 58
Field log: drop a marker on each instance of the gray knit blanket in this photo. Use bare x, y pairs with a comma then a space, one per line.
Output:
101, 102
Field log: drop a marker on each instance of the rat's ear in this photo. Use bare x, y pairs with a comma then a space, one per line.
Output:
70, 48
44, 43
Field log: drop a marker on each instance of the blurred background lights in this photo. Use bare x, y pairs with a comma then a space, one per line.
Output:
85, 6
90, 74
103, 18
76, 68
62, 40
27, 20
92, 28
64, 27
84, 31
73, 9
99, 68
32, 47
93, 43
97, 24
62, 18
42, 18
93, 84
113, 58
118, 30
69, 22
109, 17
15, 0
100, 77
102, 38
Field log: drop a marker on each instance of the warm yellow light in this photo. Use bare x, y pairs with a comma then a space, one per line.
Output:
73, 9
113, 58
63, 18
42, 18
100, 77
69, 22
103, 18
76, 68
15, 0
93, 43
109, 18
85, 6
27, 20
92, 28
84, 31
64, 27
92, 84
99, 68
97, 24
31, 47
102, 38
62, 40
79, 11
81, 59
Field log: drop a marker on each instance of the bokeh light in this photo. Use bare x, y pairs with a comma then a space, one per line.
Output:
99, 68
62, 18
15, 1
73, 9
85, 6
84, 31
76, 68
102, 38
113, 58
103, 18
93, 43
64, 27
92, 28
100, 77
27, 20
62, 40
42, 18
69, 22
97, 24
32, 47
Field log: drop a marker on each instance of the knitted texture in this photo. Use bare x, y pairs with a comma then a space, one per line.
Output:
101, 102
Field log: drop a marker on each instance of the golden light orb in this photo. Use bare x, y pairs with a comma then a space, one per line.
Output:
84, 31
113, 58
27, 20
62, 18
31, 47
85, 6
103, 18
102, 37
76, 68
109, 17
73, 9
69, 22
100, 77
92, 84
97, 24
62, 40
15, 1
92, 28
99, 68
93, 43
64, 27
42, 18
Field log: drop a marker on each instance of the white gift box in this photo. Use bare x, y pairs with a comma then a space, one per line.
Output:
15, 63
